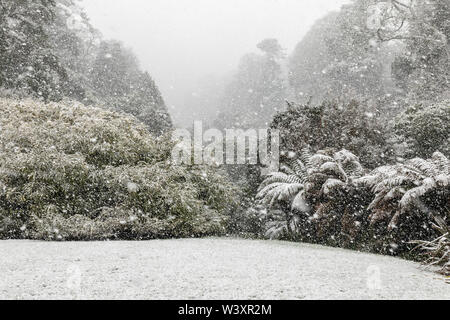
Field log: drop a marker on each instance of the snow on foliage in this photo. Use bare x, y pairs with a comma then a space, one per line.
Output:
96, 174
330, 198
437, 252
400, 188
371, 80
306, 179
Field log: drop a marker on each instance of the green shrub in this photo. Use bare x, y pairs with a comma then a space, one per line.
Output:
332, 124
425, 129
94, 174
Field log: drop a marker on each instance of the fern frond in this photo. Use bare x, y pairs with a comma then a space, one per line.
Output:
276, 192
299, 168
367, 181
378, 215
276, 229
279, 177
319, 159
392, 182
349, 162
332, 184
412, 171
286, 169
443, 180
304, 157
426, 167
377, 202
265, 190
395, 193
300, 204
330, 167
375, 177
415, 193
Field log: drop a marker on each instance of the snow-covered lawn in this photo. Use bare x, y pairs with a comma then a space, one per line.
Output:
207, 269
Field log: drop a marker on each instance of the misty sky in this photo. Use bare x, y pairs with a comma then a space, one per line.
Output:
179, 41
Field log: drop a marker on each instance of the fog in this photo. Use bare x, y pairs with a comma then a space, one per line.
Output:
181, 41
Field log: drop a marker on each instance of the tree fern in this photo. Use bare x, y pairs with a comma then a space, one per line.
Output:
281, 224
279, 191
303, 181
284, 186
401, 188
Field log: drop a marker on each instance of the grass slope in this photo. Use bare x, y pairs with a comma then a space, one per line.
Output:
207, 269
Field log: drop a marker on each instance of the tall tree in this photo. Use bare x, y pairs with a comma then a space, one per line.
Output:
75, 42
27, 60
423, 27
339, 58
257, 91
120, 84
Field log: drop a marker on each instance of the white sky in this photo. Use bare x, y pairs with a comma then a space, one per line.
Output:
179, 41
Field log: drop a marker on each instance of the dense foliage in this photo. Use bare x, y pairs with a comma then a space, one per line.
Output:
330, 198
334, 125
73, 172
425, 128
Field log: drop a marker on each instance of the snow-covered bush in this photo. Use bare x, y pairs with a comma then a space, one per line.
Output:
248, 221
90, 174
352, 126
425, 128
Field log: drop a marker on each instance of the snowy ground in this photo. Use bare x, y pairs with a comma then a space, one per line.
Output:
207, 269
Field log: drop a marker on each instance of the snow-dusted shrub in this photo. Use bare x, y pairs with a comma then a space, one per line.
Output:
425, 128
352, 126
91, 173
